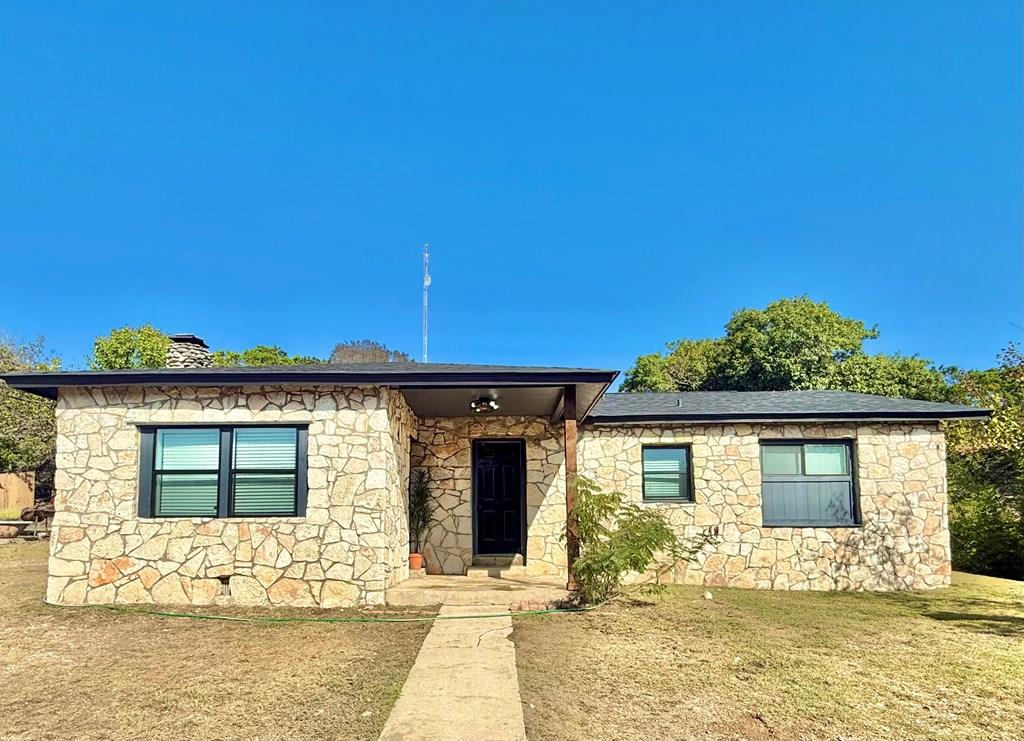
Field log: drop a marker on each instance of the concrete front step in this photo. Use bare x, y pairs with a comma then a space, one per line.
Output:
495, 572
496, 566
502, 560
459, 590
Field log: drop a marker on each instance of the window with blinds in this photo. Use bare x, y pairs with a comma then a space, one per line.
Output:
263, 471
807, 484
666, 473
236, 471
186, 468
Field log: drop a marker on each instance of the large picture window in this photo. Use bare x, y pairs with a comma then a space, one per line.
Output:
666, 473
807, 484
223, 471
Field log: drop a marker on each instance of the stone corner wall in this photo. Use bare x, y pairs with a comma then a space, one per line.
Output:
338, 555
902, 543
403, 428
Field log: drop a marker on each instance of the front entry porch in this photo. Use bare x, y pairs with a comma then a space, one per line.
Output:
503, 477
498, 489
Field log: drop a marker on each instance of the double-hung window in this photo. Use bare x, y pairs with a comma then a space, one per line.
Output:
666, 473
223, 471
807, 484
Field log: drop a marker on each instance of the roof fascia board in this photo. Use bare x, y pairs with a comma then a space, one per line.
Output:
227, 377
789, 417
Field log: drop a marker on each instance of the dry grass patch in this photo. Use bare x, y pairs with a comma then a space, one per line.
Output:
90, 673
946, 664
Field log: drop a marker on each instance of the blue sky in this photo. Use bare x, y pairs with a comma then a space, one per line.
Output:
594, 180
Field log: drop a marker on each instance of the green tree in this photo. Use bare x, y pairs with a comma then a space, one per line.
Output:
649, 373
27, 427
261, 355
146, 347
986, 471
686, 366
367, 351
130, 347
902, 376
790, 344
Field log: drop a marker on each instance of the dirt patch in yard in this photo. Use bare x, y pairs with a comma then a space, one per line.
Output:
90, 673
945, 664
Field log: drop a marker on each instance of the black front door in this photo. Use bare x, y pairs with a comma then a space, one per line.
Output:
498, 489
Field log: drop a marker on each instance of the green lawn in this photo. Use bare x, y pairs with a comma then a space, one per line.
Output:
91, 673
945, 664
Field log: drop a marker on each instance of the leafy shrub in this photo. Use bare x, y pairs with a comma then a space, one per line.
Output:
986, 535
616, 539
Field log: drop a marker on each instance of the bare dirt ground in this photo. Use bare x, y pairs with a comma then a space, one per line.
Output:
945, 664
91, 673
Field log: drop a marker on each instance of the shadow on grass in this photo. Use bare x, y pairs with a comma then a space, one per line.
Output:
1007, 625
976, 614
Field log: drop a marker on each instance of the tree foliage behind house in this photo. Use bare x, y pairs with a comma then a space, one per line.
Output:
130, 347
790, 344
27, 428
146, 347
367, 351
986, 471
261, 355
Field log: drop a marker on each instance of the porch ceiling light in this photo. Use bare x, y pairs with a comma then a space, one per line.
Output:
484, 405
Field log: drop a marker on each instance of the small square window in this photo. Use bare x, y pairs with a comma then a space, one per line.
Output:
666, 473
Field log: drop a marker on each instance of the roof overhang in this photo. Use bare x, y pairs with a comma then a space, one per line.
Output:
445, 392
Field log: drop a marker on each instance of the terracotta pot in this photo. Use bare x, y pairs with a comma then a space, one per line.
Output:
415, 561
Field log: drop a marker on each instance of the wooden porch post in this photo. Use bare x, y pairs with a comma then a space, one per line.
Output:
572, 543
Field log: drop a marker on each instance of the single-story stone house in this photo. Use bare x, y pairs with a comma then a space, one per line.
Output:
289, 485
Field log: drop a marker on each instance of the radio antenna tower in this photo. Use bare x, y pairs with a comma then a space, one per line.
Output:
426, 297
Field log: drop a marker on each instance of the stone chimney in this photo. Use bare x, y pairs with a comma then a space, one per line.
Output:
188, 351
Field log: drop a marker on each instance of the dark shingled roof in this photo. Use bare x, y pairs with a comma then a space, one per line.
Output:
751, 406
696, 406
315, 373
590, 383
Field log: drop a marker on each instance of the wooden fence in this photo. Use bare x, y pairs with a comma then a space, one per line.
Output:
17, 490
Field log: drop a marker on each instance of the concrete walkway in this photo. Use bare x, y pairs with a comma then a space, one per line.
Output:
463, 685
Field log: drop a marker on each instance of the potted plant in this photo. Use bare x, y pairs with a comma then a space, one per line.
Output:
421, 510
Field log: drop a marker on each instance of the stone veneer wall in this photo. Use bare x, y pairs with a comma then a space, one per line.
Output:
353, 542
444, 447
903, 542
349, 547
403, 425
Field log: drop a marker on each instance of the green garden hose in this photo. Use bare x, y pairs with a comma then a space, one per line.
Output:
270, 619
